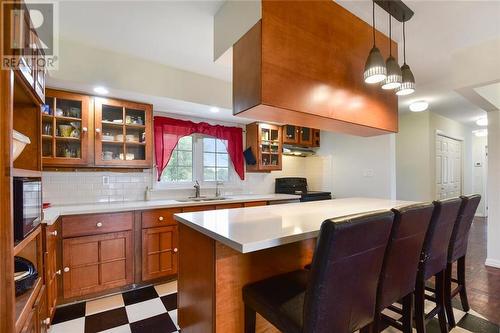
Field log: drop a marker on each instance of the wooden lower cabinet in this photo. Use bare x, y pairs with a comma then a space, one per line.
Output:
159, 252
36, 321
95, 263
30, 326
52, 269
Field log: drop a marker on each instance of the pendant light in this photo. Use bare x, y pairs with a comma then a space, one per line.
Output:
408, 84
394, 76
375, 70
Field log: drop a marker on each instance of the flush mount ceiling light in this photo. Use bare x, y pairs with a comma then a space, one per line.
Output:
419, 106
101, 90
394, 76
214, 109
375, 70
407, 86
483, 121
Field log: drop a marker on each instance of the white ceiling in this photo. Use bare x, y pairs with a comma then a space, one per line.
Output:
490, 92
180, 34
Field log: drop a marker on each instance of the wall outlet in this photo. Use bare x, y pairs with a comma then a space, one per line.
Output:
105, 180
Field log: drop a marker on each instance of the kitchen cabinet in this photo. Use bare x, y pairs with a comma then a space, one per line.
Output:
229, 206
159, 217
265, 142
30, 52
66, 140
41, 314
84, 131
300, 136
159, 252
96, 263
123, 134
52, 269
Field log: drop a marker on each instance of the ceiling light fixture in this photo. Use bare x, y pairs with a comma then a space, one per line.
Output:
375, 70
101, 90
483, 121
407, 86
394, 76
419, 106
214, 109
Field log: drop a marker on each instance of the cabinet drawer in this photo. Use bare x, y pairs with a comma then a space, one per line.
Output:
83, 225
229, 206
159, 217
197, 209
255, 203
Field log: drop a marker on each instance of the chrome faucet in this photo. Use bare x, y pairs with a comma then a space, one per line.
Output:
196, 189
217, 189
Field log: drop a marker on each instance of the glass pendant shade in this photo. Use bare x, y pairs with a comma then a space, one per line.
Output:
394, 76
407, 86
375, 70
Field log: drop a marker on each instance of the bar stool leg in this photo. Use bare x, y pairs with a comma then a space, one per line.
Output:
461, 282
250, 318
407, 313
420, 305
440, 301
447, 296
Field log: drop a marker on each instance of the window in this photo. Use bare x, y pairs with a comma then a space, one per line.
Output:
198, 157
215, 160
180, 166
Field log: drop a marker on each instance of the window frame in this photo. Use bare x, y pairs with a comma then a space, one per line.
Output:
198, 170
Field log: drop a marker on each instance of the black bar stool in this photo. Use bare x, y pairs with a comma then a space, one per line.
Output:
456, 253
338, 293
399, 269
433, 262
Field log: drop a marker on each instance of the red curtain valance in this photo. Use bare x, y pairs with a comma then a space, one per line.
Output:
168, 131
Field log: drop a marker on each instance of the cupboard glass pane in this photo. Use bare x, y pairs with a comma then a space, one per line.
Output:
135, 117
68, 108
112, 114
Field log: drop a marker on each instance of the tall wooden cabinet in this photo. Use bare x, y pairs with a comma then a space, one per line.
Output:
84, 131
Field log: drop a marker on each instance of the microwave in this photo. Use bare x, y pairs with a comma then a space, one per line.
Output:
27, 205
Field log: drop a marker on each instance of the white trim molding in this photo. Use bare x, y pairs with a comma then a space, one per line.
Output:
492, 263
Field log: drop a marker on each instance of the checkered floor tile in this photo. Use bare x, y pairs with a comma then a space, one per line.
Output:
154, 309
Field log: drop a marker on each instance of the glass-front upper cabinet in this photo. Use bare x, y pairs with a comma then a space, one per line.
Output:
65, 129
123, 133
270, 147
291, 134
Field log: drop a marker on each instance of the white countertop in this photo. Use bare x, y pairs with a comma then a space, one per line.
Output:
257, 228
52, 214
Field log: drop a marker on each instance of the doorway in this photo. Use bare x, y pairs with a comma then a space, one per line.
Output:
448, 167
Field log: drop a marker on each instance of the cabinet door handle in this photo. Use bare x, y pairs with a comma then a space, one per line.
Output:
98, 130
160, 218
99, 224
58, 272
66, 269
84, 129
175, 249
46, 321
53, 233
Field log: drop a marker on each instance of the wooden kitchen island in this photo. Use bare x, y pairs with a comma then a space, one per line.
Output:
220, 251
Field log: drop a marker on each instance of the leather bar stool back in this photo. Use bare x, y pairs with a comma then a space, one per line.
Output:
433, 262
399, 270
456, 253
344, 273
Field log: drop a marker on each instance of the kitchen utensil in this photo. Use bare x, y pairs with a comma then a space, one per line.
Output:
46, 108
128, 156
119, 137
74, 112
59, 112
128, 119
65, 130
108, 137
132, 138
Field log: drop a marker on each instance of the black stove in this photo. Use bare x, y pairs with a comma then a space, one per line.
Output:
298, 185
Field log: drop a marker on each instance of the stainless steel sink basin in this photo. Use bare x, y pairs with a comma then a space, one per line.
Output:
201, 199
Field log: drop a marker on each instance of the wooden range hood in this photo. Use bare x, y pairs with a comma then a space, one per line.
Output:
302, 64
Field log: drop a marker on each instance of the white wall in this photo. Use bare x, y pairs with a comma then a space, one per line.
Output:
493, 186
479, 171
416, 157
361, 166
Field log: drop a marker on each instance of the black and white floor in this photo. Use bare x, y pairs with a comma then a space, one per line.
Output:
154, 309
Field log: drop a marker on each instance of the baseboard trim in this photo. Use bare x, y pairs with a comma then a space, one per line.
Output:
492, 263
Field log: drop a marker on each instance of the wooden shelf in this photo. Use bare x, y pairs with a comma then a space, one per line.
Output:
44, 115
113, 142
25, 302
108, 123
135, 143
21, 245
46, 136
67, 138
68, 118
16, 172
135, 126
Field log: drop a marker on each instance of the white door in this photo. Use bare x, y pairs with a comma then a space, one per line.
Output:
448, 167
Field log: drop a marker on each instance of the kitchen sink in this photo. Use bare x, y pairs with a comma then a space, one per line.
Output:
201, 199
